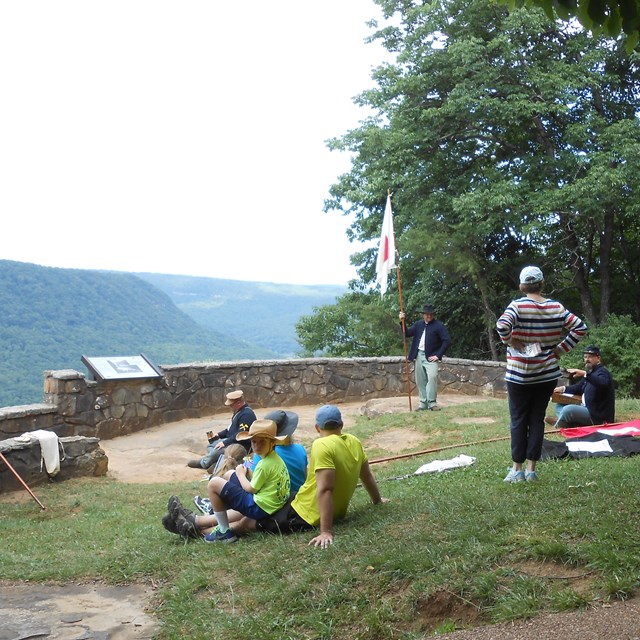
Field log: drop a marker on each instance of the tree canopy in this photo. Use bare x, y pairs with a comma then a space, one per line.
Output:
506, 139
609, 17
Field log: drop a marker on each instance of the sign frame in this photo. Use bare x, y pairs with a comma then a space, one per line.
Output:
121, 367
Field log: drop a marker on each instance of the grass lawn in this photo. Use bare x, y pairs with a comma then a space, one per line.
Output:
450, 550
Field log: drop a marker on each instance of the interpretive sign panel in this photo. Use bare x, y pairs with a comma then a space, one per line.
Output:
121, 367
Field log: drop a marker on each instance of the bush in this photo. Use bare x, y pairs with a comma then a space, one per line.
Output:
619, 341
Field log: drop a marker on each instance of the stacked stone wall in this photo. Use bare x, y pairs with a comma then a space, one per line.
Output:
75, 406
79, 457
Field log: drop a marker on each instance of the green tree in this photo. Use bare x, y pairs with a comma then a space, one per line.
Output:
619, 340
499, 135
610, 17
358, 326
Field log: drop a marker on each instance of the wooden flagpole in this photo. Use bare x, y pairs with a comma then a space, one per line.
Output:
404, 336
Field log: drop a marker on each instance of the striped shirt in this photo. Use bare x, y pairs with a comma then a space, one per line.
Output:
545, 322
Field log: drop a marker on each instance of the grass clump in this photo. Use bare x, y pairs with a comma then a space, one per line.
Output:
450, 550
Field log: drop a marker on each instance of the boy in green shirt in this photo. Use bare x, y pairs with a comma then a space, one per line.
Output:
258, 498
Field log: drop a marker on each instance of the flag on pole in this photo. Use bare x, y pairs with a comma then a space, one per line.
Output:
387, 249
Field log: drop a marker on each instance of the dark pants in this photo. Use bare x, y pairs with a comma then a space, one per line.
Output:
527, 406
285, 520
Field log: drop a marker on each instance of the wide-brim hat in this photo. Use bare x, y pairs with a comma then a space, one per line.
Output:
234, 396
428, 308
286, 421
263, 429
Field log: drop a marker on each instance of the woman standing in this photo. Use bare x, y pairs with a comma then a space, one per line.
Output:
533, 327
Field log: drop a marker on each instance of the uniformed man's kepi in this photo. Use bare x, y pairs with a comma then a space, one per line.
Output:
234, 396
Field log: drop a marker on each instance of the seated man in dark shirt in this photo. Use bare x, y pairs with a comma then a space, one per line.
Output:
596, 387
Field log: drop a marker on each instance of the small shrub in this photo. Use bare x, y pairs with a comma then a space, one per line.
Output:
619, 341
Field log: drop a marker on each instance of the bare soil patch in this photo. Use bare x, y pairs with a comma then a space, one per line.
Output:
474, 420
395, 440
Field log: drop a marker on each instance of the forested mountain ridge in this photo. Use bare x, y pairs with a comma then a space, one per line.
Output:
51, 317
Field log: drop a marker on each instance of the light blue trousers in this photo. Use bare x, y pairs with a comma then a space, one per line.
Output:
426, 381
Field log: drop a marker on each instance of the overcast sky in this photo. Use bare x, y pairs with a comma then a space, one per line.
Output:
179, 137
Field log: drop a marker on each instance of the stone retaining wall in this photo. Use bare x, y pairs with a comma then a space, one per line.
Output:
81, 457
75, 406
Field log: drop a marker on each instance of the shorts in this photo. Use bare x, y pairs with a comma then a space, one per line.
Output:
235, 497
285, 520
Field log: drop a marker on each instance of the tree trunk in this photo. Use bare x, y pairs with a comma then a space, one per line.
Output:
490, 318
580, 276
606, 245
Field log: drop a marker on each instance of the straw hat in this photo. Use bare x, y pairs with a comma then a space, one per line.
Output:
263, 429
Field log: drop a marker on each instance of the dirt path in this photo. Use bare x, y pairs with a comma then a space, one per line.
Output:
141, 456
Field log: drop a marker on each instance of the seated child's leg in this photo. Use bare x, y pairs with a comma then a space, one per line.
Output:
215, 486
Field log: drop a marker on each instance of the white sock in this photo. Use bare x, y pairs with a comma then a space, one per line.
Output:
223, 520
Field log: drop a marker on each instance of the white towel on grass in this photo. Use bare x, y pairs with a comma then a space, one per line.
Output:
443, 465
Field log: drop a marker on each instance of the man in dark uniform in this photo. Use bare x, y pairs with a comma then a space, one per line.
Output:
243, 418
595, 385
430, 341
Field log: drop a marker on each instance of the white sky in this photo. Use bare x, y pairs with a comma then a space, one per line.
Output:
179, 137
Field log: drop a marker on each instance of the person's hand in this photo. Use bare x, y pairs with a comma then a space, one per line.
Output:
577, 373
433, 358
559, 390
323, 540
241, 470
516, 344
220, 445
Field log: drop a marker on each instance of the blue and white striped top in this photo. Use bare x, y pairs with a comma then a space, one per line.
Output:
545, 322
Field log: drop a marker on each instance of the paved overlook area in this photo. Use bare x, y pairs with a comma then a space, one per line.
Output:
95, 611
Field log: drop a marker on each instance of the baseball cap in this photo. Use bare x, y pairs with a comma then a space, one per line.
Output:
328, 417
531, 275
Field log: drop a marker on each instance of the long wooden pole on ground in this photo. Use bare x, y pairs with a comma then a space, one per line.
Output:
450, 446
22, 482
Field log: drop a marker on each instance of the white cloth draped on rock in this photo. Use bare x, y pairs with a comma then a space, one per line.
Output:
49, 448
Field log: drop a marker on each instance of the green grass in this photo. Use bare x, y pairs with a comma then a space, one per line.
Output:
450, 550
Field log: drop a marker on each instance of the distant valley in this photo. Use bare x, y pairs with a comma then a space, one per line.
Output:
51, 317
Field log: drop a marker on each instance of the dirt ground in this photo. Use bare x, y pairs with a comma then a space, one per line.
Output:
97, 611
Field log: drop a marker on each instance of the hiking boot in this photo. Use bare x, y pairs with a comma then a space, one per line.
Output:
194, 464
169, 524
514, 476
204, 504
173, 506
550, 420
434, 407
218, 536
187, 527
